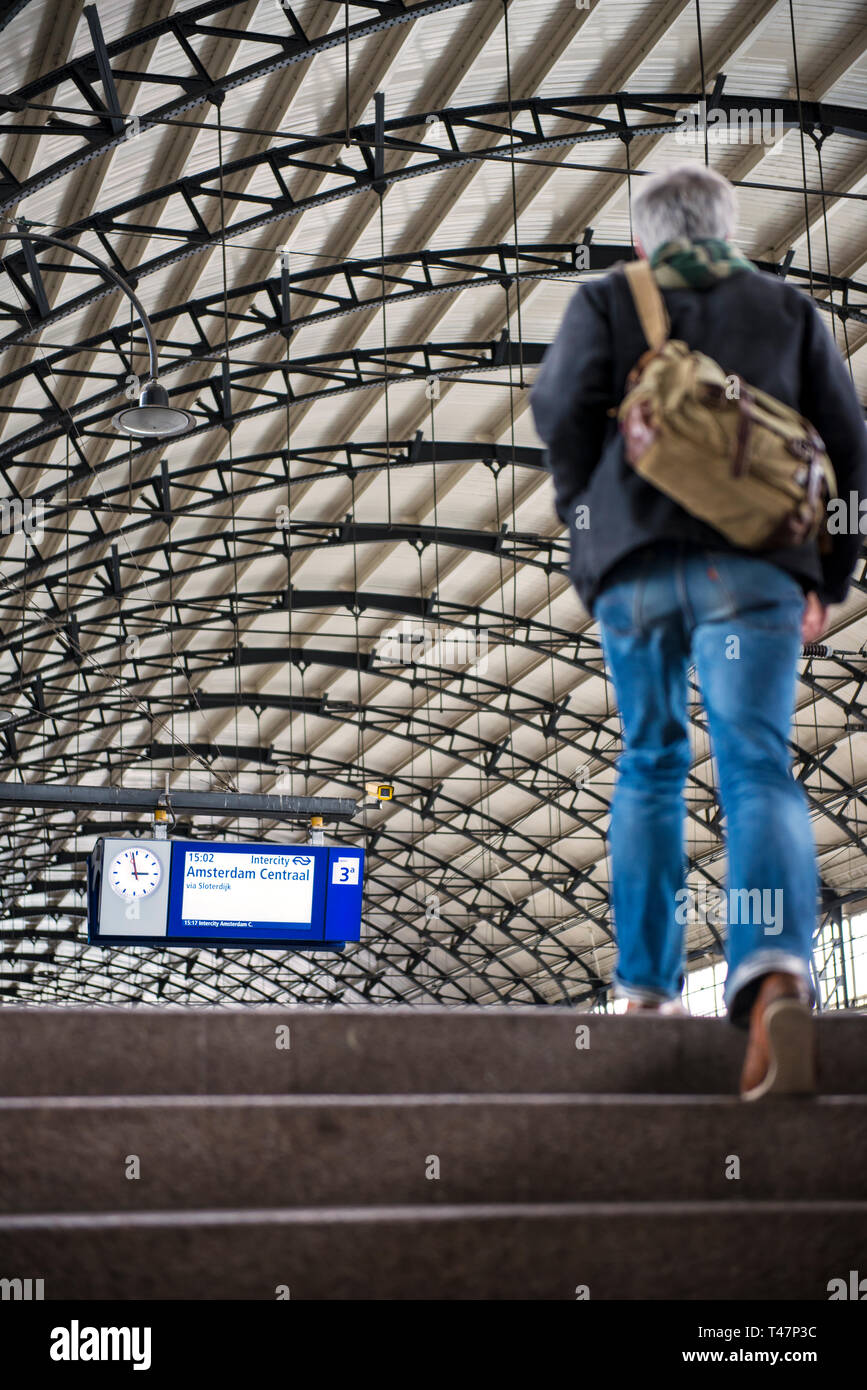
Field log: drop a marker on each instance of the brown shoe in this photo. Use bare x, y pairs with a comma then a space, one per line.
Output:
780, 1057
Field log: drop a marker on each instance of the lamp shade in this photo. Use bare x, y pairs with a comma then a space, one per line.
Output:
152, 417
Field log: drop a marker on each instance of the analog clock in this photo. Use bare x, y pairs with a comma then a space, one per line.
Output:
134, 873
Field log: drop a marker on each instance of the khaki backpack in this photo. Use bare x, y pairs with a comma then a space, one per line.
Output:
730, 454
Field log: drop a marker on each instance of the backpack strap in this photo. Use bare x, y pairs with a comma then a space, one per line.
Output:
649, 304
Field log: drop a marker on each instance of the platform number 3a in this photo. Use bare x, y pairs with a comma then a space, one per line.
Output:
345, 870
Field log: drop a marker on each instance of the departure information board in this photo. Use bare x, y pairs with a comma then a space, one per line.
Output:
192, 892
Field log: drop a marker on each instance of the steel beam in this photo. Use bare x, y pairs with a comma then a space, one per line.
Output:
181, 356
405, 134
291, 48
264, 303
209, 803
352, 369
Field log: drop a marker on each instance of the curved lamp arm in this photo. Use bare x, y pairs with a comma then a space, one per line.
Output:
108, 273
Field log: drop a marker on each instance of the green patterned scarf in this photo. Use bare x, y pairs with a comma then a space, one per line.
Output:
682, 264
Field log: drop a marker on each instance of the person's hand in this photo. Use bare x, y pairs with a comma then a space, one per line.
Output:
815, 619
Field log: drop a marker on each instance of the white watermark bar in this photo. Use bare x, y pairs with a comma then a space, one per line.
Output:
409, 644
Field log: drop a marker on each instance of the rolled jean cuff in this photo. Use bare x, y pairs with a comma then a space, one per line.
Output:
738, 995
642, 994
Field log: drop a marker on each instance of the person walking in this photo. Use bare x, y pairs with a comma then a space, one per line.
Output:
668, 590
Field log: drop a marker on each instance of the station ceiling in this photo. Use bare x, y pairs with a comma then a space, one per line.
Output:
355, 230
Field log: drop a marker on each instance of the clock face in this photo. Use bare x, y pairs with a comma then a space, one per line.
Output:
134, 873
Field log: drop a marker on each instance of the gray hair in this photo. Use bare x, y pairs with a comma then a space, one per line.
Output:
689, 200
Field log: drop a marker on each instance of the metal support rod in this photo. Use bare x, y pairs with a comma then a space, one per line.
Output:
34, 272
379, 141
150, 798
103, 64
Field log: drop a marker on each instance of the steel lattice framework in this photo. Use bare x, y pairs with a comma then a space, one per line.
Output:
349, 569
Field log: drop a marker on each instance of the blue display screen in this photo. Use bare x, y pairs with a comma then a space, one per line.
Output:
237, 892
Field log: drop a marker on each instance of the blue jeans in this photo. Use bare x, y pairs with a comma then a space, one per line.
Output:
737, 617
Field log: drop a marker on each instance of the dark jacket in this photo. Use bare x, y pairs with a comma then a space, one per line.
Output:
753, 324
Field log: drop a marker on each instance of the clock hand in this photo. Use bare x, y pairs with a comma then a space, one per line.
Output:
132, 861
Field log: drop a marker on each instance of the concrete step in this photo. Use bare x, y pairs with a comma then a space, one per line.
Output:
389, 1052
672, 1250
73, 1155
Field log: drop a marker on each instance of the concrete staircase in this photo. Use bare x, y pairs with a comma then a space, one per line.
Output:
514, 1153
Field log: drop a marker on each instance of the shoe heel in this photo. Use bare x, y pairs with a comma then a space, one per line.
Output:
792, 1069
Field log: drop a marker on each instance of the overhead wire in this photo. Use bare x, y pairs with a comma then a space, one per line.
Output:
803, 144
234, 614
